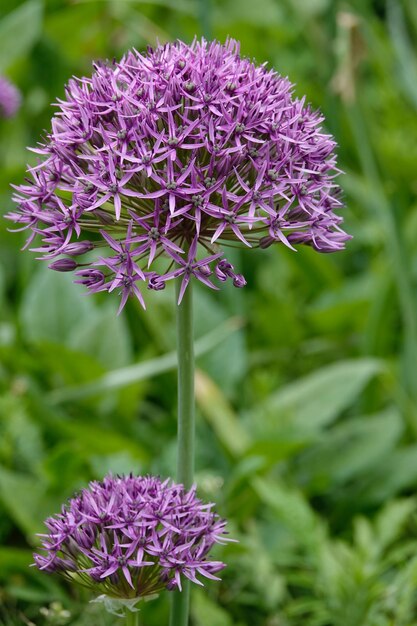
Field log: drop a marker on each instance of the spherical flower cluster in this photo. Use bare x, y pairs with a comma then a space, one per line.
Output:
131, 537
163, 160
9, 98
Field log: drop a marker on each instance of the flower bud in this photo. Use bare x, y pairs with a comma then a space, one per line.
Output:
239, 281
63, 265
266, 242
80, 247
156, 283
205, 270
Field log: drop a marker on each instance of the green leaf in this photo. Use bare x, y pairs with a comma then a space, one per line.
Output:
131, 374
220, 415
308, 10
260, 567
339, 309
318, 399
406, 56
205, 611
53, 307
19, 30
20, 436
44, 591
99, 441
24, 499
350, 449
397, 473
226, 362
183, 6
13, 559
263, 13
293, 511
277, 447
404, 587
105, 336
65, 469
66, 366
121, 462
391, 521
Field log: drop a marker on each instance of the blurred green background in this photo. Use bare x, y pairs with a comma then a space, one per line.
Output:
307, 378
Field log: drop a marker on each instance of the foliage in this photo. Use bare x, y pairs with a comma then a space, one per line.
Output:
306, 382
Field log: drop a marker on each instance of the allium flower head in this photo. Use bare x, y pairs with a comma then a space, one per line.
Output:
164, 160
9, 98
131, 537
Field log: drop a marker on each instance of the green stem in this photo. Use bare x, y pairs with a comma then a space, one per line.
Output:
186, 427
132, 619
186, 410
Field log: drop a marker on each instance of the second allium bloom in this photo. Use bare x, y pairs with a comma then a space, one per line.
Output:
174, 155
132, 536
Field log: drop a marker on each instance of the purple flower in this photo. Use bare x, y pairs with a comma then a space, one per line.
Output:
132, 537
9, 98
175, 155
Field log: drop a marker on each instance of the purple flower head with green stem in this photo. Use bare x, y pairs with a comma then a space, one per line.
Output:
170, 157
131, 537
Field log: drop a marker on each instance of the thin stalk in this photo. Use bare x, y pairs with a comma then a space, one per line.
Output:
186, 410
186, 426
132, 618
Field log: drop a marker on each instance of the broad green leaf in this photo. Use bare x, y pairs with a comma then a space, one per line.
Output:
397, 473
350, 449
277, 446
14, 559
206, 611
292, 510
20, 441
93, 440
65, 469
45, 592
243, 471
307, 10
105, 336
226, 362
263, 13
19, 30
122, 462
131, 374
338, 309
53, 307
318, 399
183, 6
25, 500
392, 520
65, 366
